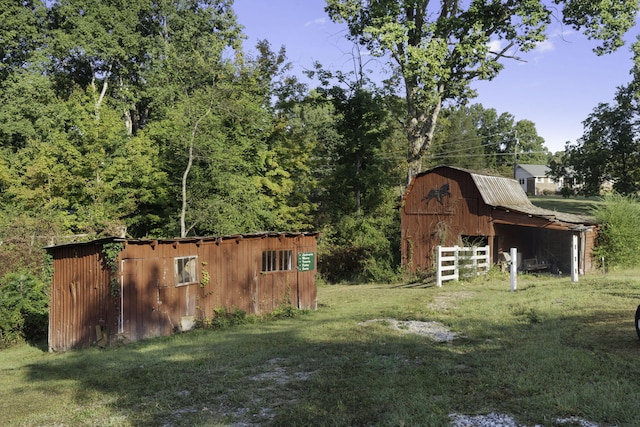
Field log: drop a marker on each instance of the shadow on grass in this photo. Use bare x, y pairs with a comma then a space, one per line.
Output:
336, 372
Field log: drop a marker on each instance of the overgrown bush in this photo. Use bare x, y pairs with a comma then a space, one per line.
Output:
24, 302
618, 240
360, 250
223, 318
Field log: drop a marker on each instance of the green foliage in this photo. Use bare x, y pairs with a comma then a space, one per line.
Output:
223, 318
111, 252
618, 240
206, 276
476, 138
436, 51
608, 150
24, 301
226, 318
359, 250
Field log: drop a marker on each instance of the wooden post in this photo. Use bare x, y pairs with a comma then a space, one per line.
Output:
456, 263
438, 266
574, 258
514, 268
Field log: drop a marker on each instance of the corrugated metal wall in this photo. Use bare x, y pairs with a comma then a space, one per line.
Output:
147, 301
80, 298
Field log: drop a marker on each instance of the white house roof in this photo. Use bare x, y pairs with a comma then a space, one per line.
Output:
535, 170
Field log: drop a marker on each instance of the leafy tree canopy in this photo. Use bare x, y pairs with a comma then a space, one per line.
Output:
437, 48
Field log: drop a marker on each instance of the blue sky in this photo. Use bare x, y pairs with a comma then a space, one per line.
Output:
558, 86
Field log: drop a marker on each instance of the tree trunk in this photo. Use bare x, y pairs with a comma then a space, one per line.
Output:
420, 129
185, 175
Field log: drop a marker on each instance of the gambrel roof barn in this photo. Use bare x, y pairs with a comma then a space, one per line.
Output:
451, 206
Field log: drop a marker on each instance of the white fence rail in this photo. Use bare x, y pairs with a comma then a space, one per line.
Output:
452, 262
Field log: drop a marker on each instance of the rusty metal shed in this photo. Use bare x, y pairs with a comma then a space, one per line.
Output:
452, 206
148, 288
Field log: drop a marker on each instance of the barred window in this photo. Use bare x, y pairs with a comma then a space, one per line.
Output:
277, 261
269, 260
285, 259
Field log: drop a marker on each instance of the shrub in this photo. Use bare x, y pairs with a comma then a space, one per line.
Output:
359, 250
618, 240
24, 303
567, 192
223, 318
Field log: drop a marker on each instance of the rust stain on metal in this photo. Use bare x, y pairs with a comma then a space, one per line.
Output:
162, 286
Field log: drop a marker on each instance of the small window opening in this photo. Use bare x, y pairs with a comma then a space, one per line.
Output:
277, 260
269, 260
285, 260
185, 270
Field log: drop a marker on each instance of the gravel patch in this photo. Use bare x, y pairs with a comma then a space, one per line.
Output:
503, 420
434, 330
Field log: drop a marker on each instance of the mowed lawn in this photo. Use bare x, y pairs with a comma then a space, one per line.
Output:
575, 205
552, 349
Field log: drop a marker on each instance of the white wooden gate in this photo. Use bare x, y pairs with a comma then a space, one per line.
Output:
456, 261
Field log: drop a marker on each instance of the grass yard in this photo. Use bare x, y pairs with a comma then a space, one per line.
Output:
575, 205
552, 349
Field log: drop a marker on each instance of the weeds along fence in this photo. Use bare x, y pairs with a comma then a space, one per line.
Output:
455, 262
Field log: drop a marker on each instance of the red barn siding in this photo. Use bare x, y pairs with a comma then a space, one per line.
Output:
431, 216
146, 302
428, 223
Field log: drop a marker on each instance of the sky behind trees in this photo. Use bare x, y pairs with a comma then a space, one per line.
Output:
558, 86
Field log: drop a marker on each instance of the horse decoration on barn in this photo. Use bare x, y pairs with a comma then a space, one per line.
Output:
438, 193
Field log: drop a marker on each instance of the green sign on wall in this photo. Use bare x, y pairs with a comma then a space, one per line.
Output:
306, 261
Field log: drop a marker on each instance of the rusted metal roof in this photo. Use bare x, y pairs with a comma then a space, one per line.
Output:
257, 235
507, 193
500, 191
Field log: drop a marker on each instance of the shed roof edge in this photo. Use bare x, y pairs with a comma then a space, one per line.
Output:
257, 235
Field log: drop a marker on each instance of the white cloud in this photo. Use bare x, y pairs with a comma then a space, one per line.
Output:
318, 21
545, 46
495, 45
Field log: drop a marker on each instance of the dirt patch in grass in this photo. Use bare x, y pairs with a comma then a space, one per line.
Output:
446, 302
434, 330
271, 380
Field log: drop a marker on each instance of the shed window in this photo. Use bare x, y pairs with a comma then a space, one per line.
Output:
269, 260
185, 270
284, 258
277, 260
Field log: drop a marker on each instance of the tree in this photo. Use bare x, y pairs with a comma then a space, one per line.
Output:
86, 175
478, 138
437, 49
21, 34
609, 148
530, 146
457, 141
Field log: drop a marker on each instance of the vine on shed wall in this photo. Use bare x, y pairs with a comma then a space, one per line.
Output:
111, 251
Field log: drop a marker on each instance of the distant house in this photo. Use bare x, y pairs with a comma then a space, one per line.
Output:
111, 290
453, 206
534, 180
